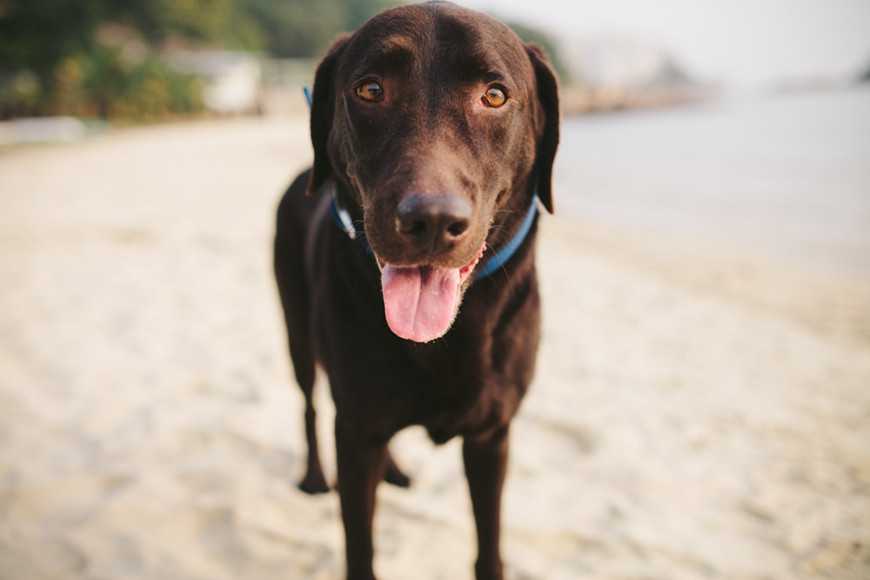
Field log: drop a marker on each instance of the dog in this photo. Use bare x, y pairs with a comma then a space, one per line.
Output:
405, 256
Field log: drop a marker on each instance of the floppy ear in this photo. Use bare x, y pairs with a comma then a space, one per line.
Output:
548, 141
322, 111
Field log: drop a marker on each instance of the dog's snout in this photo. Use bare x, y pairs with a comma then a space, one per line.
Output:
433, 221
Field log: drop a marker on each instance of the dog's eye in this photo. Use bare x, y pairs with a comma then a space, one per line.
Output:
494, 97
370, 91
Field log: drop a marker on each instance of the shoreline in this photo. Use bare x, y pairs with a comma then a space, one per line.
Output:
731, 273
582, 101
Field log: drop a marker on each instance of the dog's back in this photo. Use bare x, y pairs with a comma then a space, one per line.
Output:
296, 215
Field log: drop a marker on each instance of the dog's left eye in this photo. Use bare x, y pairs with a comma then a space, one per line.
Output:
370, 91
494, 97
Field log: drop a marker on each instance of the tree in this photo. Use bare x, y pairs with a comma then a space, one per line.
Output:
305, 28
37, 35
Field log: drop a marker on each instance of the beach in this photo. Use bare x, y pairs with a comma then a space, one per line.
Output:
698, 411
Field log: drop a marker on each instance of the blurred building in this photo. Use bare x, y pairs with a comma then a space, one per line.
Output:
232, 80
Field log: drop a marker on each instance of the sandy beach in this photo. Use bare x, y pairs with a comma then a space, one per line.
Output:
697, 414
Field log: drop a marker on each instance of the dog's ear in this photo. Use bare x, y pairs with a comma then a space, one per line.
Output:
548, 140
322, 111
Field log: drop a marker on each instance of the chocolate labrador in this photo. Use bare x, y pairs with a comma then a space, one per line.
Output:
405, 257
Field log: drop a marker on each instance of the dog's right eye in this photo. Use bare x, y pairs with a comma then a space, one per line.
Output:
370, 91
494, 97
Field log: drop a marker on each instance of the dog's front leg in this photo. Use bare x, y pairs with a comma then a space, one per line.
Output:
361, 466
485, 466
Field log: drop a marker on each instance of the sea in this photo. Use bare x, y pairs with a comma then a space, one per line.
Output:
782, 176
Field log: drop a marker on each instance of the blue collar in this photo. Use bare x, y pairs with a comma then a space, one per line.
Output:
501, 257
489, 267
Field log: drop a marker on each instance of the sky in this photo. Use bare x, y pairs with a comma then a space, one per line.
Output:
737, 42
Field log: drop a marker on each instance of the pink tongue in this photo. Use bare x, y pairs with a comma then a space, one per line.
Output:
420, 302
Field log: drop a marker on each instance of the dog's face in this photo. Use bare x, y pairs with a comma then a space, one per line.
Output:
439, 124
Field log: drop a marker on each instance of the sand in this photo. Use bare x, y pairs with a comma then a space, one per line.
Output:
696, 414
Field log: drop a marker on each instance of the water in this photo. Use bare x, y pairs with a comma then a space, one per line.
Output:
786, 176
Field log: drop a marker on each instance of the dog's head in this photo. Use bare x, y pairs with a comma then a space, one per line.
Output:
439, 125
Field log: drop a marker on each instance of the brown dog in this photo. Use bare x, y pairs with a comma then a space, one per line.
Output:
433, 127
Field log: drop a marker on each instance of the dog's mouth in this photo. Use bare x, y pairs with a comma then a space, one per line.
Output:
421, 302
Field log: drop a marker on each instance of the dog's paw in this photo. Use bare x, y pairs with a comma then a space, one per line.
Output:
313, 484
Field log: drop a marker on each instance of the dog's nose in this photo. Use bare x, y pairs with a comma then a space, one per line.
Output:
433, 220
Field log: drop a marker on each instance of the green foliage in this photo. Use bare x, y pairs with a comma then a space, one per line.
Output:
295, 28
358, 11
111, 88
38, 34
54, 59
20, 95
35, 35
214, 22
100, 83
305, 28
